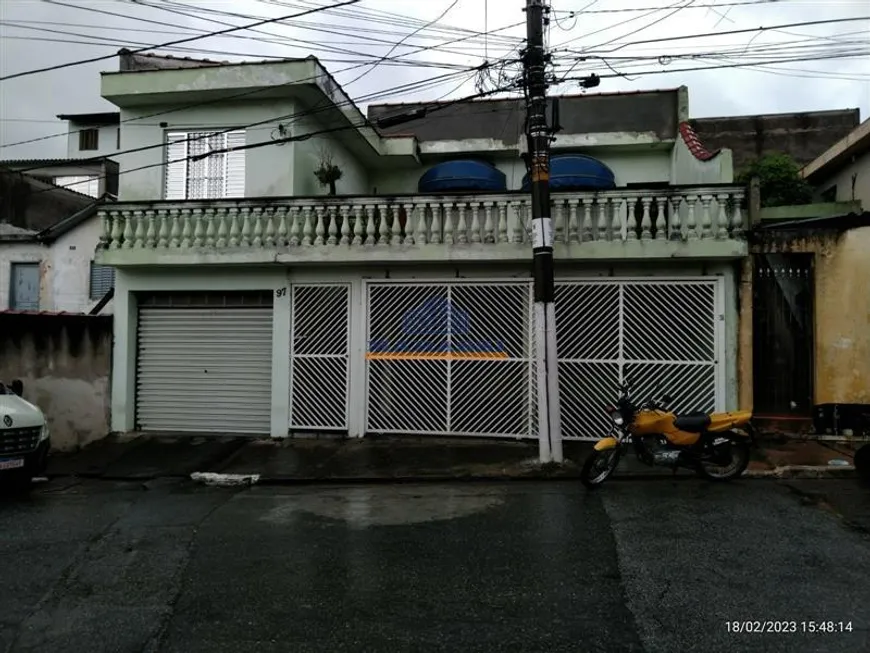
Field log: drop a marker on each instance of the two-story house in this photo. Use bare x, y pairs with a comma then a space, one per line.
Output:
250, 299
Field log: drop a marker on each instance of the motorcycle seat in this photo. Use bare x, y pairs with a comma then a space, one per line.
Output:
692, 422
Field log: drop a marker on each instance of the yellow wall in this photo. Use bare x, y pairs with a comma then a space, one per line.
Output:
843, 319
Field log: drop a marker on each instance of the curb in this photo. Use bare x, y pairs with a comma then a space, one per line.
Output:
802, 471
225, 480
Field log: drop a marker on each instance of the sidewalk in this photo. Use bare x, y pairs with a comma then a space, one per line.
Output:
397, 458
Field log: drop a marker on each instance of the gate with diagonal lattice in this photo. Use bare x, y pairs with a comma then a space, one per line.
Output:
457, 357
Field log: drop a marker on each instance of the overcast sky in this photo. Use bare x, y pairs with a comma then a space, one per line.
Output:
42, 33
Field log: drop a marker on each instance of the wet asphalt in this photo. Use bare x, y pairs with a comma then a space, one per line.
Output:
654, 566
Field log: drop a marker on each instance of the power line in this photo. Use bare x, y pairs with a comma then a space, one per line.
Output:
748, 30
191, 12
235, 96
110, 42
718, 5
175, 42
718, 67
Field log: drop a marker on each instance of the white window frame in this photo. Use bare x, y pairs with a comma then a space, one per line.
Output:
231, 187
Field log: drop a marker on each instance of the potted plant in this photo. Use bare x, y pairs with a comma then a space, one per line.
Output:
327, 173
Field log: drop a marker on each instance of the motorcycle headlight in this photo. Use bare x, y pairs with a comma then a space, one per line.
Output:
617, 419
44, 434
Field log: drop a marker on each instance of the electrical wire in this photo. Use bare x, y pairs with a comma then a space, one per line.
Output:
191, 12
235, 96
80, 62
718, 5
110, 42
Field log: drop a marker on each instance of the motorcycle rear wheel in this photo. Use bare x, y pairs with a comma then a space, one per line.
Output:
599, 466
738, 464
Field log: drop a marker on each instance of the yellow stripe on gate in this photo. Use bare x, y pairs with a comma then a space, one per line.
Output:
436, 356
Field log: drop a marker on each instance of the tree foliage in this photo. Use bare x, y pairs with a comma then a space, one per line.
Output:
780, 180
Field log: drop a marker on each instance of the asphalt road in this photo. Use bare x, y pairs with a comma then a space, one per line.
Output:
638, 566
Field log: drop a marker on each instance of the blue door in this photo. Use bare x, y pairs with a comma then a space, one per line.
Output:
24, 295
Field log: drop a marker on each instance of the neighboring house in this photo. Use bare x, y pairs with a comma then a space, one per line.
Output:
810, 323
248, 300
842, 172
47, 242
803, 135
93, 134
92, 177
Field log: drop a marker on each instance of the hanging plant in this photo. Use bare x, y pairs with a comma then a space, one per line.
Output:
328, 173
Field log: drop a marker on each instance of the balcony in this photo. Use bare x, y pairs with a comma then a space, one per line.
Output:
678, 222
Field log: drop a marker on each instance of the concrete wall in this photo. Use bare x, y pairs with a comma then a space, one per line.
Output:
107, 141
307, 157
64, 362
803, 136
268, 170
852, 183
64, 270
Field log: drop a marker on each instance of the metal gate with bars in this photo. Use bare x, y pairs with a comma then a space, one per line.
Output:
456, 358
449, 358
319, 356
665, 336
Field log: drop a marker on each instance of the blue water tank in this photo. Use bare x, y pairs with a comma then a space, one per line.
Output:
577, 172
463, 175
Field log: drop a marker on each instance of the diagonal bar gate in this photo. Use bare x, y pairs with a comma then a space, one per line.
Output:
666, 336
319, 356
449, 358
456, 357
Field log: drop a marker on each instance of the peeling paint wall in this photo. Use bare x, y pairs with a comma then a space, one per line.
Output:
64, 270
64, 362
843, 320
842, 312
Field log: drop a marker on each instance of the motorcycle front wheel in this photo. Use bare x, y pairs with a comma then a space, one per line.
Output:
730, 461
599, 466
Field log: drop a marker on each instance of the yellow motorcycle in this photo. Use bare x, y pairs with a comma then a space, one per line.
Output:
715, 445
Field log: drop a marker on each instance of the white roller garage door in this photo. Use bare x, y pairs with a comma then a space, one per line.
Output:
205, 363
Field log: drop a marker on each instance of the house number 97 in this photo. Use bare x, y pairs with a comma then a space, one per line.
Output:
280, 292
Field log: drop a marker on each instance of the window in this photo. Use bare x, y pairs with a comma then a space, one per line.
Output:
830, 195
24, 289
88, 185
218, 175
89, 139
102, 280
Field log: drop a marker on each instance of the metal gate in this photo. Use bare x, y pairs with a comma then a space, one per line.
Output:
783, 335
204, 362
319, 363
449, 358
665, 336
456, 358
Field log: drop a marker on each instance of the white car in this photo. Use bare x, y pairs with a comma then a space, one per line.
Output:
24, 437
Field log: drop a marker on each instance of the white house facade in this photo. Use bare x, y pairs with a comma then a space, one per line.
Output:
249, 300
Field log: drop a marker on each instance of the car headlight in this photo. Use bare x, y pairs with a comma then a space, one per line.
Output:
44, 434
617, 419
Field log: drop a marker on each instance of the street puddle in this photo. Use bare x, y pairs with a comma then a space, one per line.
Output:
364, 507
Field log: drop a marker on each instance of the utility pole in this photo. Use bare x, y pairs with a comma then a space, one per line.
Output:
538, 133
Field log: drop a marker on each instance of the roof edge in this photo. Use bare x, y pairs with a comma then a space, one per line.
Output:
693, 142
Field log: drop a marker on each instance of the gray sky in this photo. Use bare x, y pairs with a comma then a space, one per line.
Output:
607, 28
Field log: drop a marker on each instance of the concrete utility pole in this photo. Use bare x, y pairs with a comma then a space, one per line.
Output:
534, 65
